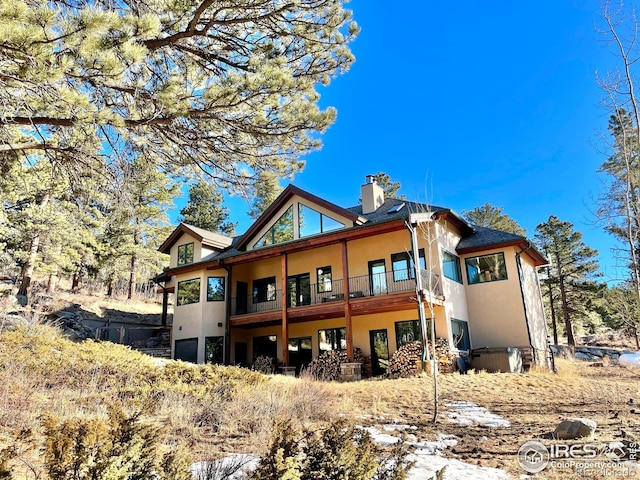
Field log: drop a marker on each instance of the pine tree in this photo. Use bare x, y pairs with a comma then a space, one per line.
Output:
493, 217
267, 188
573, 266
137, 223
227, 88
205, 209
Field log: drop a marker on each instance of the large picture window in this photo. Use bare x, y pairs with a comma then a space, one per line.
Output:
332, 339
486, 268
402, 265
188, 292
264, 290
215, 289
281, 231
451, 266
312, 222
324, 279
185, 254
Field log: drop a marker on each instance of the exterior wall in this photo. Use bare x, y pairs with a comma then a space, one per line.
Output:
535, 309
247, 272
309, 261
198, 320
454, 292
197, 249
496, 311
363, 250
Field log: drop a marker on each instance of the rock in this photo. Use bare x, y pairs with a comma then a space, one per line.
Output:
585, 356
572, 428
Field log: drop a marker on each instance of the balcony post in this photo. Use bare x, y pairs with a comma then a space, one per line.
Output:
347, 307
285, 323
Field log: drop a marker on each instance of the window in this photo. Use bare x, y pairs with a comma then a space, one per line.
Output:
312, 221
281, 231
265, 346
486, 268
185, 254
215, 289
402, 265
407, 332
324, 279
460, 332
189, 291
186, 350
264, 290
451, 266
332, 339
214, 350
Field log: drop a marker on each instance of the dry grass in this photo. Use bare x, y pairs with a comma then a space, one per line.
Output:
534, 403
218, 410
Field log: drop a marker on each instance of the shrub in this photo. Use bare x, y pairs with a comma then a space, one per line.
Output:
341, 451
121, 447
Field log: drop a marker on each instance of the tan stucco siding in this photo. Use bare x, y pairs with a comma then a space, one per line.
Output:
310, 260
533, 301
199, 320
183, 240
496, 310
455, 304
364, 250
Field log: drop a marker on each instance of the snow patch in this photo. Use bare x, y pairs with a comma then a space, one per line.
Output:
240, 464
468, 413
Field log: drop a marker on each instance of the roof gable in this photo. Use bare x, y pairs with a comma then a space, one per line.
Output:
272, 214
205, 237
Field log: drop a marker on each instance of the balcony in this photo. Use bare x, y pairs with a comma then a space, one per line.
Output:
362, 287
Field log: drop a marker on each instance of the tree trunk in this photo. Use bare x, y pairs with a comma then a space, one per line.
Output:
52, 282
552, 309
27, 269
110, 289
133, 265
565, 307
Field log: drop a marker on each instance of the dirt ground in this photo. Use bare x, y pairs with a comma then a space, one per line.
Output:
534, 403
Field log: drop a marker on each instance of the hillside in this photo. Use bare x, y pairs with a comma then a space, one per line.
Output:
212, 411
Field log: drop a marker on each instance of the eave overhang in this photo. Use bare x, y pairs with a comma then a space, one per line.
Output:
524, 245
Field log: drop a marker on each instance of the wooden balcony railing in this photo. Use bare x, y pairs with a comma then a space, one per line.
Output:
383, 283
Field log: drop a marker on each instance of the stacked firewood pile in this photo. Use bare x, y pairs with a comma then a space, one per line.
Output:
407, 360
327, 366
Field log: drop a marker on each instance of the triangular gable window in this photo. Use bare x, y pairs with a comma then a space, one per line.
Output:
280, 231
312, 222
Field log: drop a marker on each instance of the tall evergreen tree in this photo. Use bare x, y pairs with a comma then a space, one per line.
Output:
573, 266
205, 209
389, 187
493, 217
137, 224
224, 87
267, 188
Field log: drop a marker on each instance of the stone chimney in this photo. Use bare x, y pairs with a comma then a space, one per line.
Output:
372, 195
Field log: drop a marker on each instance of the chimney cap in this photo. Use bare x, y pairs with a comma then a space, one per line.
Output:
370, 179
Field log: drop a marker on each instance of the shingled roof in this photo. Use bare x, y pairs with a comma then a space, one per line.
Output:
484, 237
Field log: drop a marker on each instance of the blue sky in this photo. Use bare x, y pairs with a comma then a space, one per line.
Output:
465, 104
